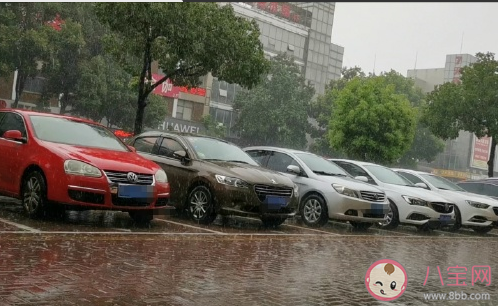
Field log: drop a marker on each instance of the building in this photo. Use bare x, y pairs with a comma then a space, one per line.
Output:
466, 156
300, 29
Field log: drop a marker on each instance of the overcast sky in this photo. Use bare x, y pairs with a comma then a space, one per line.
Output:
393, 33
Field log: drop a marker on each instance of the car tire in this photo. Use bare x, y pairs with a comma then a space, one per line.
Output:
200, 205
141, 216
458, 220
34, 194
482, 229
392, 220
361, 225
314, 211
272, 222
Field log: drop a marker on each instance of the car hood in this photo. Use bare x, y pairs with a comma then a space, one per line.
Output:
105, 159
349, 183
461, 195
417, 192
249, 173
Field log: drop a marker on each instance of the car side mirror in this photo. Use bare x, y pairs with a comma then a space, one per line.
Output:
15, 135
361, 178
182, 155
294, 169
422, 185
132, 148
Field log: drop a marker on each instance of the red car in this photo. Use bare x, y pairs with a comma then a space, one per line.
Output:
48, 159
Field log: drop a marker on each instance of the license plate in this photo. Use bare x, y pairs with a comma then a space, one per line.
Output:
276, 202
377, 208
445, 217
135, 191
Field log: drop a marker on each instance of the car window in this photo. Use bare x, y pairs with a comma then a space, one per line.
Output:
12, 121
412, 178
472, 187
387, 175
355, 170
441, 183
259, 156
145, 144
213, 149
490, 190
280, 161
168, 147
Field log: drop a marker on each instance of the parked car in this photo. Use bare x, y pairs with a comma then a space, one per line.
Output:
408, 203
326, 190
472, 210
48, 158
487, 186
210, 176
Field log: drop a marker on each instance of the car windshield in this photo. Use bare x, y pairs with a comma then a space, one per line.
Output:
320, 165
77, 133
217, 150
441, 183
387, 175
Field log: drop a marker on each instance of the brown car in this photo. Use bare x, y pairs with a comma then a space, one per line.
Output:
209, 176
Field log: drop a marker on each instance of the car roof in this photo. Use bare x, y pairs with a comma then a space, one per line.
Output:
158, 133
411, 171
362, 163
489, 180
278, 149
26, 113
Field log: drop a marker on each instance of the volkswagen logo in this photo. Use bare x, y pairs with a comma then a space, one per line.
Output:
132, 177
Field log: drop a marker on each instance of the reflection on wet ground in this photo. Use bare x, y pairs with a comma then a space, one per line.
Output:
103, 258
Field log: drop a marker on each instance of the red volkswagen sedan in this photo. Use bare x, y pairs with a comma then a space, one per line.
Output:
49, 159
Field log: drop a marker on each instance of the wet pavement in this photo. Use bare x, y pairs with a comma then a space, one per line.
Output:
103, 258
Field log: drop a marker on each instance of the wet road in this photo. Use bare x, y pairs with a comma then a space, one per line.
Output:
103, 258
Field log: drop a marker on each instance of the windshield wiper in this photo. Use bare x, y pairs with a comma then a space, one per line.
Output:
237, 161
224, 160
328, 173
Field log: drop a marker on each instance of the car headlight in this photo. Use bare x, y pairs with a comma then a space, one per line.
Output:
296, 190
231, 181
161, 176
415, 201
76, 167
345, 191
477, 204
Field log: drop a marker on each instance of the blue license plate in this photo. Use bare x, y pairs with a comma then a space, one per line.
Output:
135, 191
379, 208
276, 202
445, 217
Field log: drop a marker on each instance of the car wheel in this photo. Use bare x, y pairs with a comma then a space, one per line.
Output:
34, 194
361, 225
458, 220
392, 218
272, 222
314, 211
200, 205
482, 229
141, 216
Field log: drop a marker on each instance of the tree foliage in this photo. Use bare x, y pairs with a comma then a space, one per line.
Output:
213, 128
275, 111
371, 122
471, 106
187, 39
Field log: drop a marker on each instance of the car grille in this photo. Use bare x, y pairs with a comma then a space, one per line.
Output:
264, 190
495, 209
441, 207
120, 177
373, 196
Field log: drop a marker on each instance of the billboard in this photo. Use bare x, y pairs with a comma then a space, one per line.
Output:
285, 10
481, 148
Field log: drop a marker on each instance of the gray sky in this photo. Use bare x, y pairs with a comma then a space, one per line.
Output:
393, 33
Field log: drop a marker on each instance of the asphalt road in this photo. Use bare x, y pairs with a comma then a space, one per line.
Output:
103, 258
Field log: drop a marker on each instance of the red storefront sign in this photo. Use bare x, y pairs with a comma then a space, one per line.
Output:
3, 104
167, 89
480, 152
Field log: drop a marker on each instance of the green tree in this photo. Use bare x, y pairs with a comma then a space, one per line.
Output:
213, 128
471, 106
275, 111
188, 40
63, 67
321, 111
371, 122
24, 42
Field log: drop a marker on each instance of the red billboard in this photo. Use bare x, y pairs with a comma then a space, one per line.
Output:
167, 89
480, 153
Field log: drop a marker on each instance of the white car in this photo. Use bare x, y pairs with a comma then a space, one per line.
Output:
409, 204
326, 191
472, 210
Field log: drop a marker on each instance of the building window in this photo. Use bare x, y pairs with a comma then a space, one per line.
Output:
184, 110
34, 85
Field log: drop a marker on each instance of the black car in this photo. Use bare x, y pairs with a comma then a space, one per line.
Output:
209, 176
487, 186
